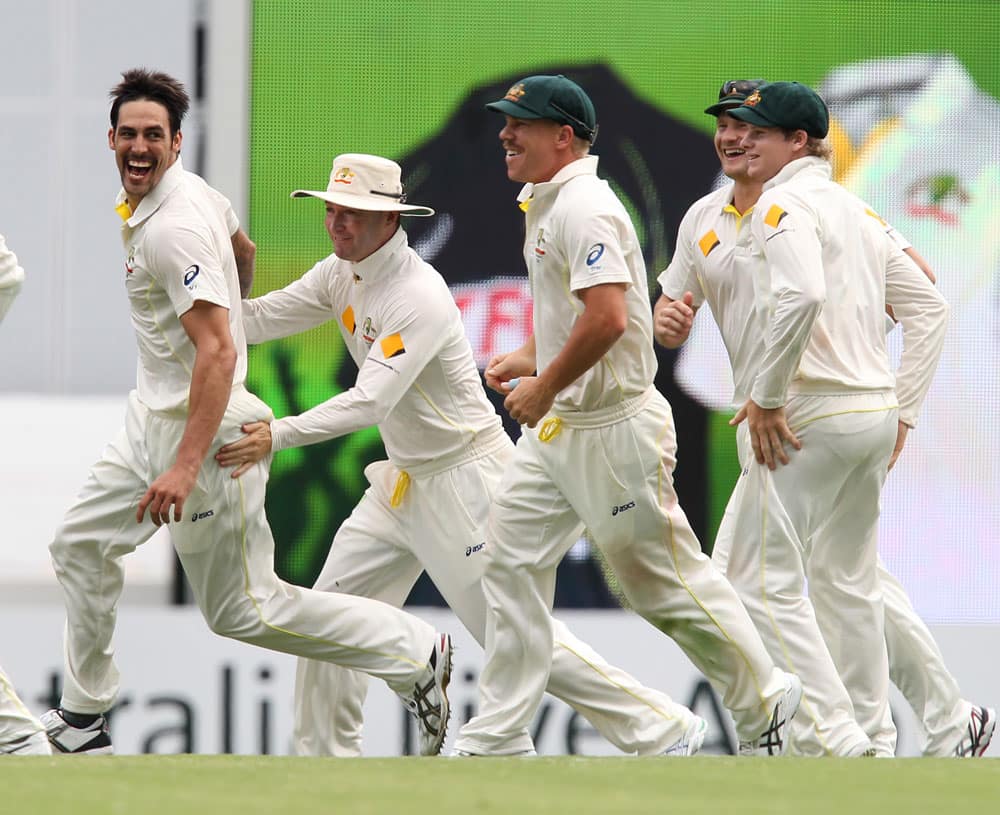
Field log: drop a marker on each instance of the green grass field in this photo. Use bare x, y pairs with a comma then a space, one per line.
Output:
190, 785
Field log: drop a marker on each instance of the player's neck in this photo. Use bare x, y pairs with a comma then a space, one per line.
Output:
745, 193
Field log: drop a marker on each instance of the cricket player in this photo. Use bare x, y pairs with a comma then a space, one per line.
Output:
182, 281
20, 731
426, 506
598, 446
824, 271
712, 245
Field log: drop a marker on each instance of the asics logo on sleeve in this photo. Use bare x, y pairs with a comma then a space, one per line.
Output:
469, 550
190, 273
594, 253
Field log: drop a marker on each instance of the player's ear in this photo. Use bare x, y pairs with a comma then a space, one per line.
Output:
111, 138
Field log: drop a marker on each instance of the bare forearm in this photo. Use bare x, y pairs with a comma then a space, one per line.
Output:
591, 338
211, 384
245, 252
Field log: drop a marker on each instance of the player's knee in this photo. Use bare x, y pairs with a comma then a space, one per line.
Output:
236, 619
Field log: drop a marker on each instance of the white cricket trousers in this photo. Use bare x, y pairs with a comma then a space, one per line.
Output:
612, 469
438, 524
816, 518
226, 549
16, 721
917, 668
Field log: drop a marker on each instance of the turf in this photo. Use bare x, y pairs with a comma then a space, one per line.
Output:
179, 785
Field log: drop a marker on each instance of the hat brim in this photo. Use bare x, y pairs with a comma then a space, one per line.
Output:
513, 109
751, 116
365, 203
724, 106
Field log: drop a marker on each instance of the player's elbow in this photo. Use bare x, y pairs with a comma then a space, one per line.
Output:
223, 358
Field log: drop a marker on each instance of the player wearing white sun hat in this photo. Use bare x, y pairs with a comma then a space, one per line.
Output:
426, 507
183, 283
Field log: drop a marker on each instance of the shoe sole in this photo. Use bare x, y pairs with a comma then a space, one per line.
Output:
96, 751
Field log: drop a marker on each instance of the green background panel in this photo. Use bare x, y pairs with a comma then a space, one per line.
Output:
383, 77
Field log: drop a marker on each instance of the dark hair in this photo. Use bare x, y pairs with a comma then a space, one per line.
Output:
140, 83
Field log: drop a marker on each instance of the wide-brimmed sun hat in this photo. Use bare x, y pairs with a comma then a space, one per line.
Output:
361, 181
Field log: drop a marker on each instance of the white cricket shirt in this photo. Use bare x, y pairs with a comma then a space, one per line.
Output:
417, 379
178, 249
579, 235
825, 270
712, 261
11, 277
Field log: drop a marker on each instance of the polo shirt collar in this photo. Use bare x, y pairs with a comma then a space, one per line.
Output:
373, 266
807, 164
586, 165
152, 200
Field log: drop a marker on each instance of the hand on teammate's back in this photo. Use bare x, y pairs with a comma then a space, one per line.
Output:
246, 452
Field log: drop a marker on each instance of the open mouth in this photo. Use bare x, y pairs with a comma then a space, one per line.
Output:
734, 152
138, 170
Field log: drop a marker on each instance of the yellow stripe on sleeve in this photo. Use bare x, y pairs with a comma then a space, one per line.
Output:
875, 215
774, 216
392, 346
708, 242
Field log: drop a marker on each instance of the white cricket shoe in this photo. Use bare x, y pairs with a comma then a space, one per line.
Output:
772, 741
690, 743
34, 744
94, 739
982, 723
429, 700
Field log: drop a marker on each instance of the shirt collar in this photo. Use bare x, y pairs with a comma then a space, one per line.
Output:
586, 165
811, 165
152, 200
371, 268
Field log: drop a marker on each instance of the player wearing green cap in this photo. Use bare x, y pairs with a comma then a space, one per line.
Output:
597, 445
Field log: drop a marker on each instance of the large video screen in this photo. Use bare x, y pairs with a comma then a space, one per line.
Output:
914, 91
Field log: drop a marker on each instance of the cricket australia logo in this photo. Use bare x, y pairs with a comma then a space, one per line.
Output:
368, 331
130, 261
540, 243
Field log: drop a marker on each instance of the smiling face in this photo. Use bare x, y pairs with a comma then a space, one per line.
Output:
729, 133
358, 233
536, 148
768, 149
144, 147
